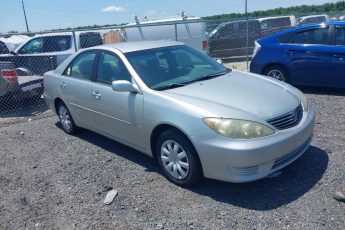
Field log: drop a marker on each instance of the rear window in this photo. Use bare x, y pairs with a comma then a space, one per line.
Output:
3, 48
90, 39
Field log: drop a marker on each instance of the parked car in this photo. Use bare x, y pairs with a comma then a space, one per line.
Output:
312, 19
229, 40
183, 108
45, 52
13, 41
311, 55
189, 30
3, 48
18, 88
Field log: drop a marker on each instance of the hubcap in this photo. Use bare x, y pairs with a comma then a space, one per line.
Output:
276, 74
65, 118
175, 159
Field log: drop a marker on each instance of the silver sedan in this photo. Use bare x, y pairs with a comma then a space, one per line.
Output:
194, 116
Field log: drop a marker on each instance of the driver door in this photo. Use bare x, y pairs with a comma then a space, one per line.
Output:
117, 114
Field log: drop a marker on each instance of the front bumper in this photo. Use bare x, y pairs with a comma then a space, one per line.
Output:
248, 160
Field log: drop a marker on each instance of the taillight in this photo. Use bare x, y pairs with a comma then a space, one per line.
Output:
10, 75
256, 48
204, 45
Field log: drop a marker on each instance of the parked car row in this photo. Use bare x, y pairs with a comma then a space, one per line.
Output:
235, 39
311, 55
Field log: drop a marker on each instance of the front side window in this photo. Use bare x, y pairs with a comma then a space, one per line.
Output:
47, 44
33, 46
82, 66
313, 36
173, 66
111, 68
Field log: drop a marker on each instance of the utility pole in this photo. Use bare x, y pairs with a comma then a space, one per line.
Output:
247, 34
26, 21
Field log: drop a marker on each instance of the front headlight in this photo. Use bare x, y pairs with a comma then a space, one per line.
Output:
304, 102
238, 129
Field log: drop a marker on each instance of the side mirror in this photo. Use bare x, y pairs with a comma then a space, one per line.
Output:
124, 86
220, 61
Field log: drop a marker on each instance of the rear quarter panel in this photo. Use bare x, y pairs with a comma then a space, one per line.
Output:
51, 88
271, 53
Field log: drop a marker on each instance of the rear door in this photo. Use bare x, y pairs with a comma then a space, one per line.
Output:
117, 114
75, 88
308, 56
338, 58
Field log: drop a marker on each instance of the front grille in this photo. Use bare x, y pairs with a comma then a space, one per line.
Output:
246, 171
288, 120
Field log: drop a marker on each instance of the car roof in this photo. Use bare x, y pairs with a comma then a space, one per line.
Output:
126, 47
297, 28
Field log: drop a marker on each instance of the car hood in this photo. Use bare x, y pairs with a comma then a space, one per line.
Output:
239, 95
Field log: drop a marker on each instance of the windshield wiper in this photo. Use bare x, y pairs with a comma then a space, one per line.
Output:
204, 77
171, 86
212, 75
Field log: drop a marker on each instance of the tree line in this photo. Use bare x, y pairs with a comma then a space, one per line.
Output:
295, 10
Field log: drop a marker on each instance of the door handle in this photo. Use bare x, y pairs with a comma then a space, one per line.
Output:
63, 85
291, 52
339, 57
96, 94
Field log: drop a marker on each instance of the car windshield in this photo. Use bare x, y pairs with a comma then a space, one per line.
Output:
173, 66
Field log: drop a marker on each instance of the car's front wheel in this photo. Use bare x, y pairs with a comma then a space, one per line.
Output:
178, 158
66, 120
277, 72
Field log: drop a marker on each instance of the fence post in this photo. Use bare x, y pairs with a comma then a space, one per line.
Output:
175, 31
75, 41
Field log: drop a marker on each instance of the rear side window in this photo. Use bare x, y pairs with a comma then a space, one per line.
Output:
340, 36
82, 66
313, 36
285, 38
57, 43
111, 68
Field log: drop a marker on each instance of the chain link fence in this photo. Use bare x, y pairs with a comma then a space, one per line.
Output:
24, 58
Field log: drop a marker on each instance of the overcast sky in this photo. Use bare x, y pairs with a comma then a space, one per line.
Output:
52, 14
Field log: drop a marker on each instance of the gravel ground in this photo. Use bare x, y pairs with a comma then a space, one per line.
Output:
49, 180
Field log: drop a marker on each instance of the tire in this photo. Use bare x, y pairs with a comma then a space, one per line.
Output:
183, 169
66, 120
277, 72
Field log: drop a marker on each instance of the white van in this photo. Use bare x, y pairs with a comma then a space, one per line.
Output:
281, 22
189, 30
313, 19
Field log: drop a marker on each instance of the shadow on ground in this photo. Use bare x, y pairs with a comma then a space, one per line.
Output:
266, 194
24, 108
323, 91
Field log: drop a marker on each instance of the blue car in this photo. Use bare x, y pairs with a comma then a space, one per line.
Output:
311, 55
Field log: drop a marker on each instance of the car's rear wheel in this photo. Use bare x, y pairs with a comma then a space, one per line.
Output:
66, 120
277, 72
178, 158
